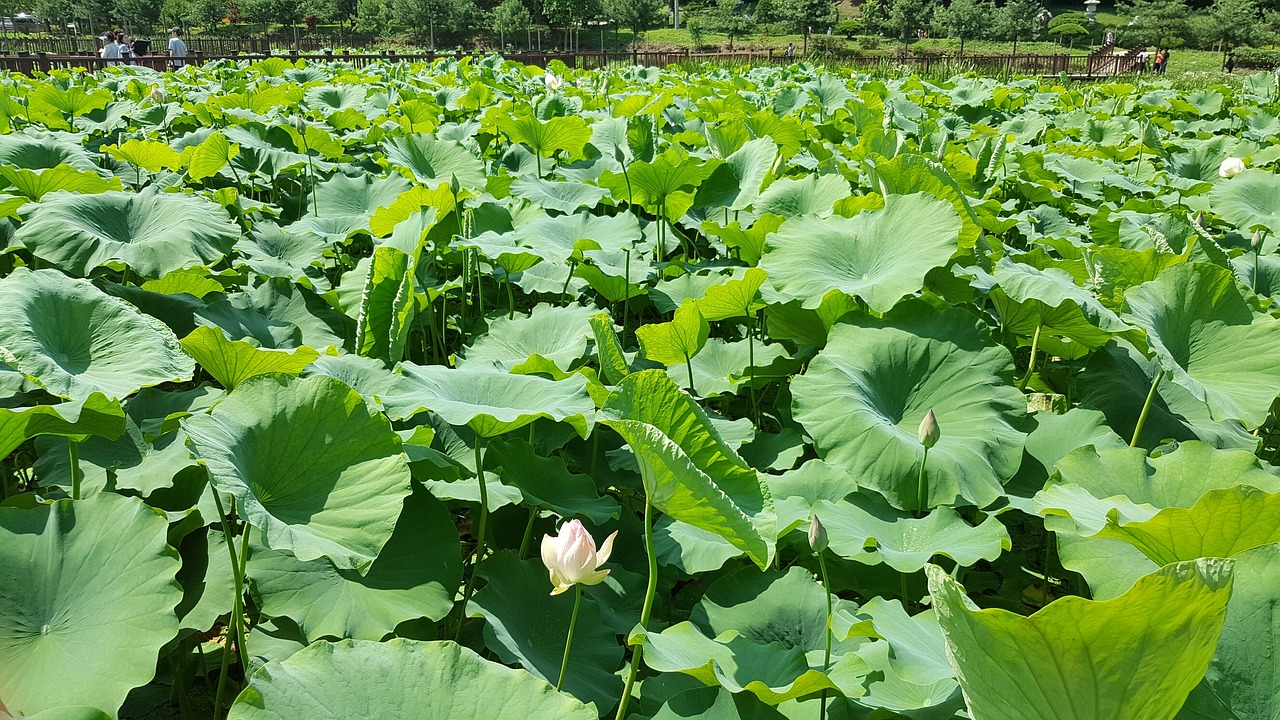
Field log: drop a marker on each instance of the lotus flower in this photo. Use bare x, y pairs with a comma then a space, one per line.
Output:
572, 557
1231, 167
551, 81
157, 95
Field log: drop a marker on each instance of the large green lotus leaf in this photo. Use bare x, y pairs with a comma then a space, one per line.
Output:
546, 482
502, 251
488, 401
1054, 437
415, 576
688, 470
35, 184
1027, 298
788, 608
813, 195
721, 368
733, 299
772, 672
559, 238
860, 523
879, 256
559, 134
1222, 523
795, 493
716, 703
278, 253
675, 342
386, 308
309, 465
863, 397
207, 580
613, 359
1198, 325
152, 232
736, 184
357, 196
1243, 681
77, 420
74, 339
37, 153
1097, 482
1117, 379
87, 591
401, 678
132, 462
1249, 200
567, 197
690, 549
1135, 657
432, 161
231, 362
527, 625
911, 657
366, 376
665, 184
558, 334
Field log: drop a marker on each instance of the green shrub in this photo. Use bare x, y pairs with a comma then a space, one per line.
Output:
826, 45
1072, 18
850, 28
869, 42
1248, 57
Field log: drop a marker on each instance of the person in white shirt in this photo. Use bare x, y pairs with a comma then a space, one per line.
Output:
112, 50
177, 48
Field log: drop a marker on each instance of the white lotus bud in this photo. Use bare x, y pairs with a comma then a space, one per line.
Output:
929, 432
817, 535
157, 95
572, 558
1231, 167
1256, 241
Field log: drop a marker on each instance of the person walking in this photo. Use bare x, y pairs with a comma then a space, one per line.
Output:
1164, 64
1159, 64
1230, 64
177, 48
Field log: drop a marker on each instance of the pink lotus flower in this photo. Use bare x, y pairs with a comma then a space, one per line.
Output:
572, 558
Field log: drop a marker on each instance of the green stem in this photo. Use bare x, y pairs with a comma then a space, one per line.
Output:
237, 618
1146, 408
906, 603
479, 287
826, 660
650, 591
528, 532
565, 290
688, 364
73, 452
626, 290
922, 498
1031, 366
751, 371
484, 520
511, 300
568, 643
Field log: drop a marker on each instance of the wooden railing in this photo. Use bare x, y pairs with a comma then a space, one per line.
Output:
1096, 65
208, 46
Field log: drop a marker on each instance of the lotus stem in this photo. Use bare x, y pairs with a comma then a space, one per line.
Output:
484, 520
1146, 408
237, 616
751, 369
826, 658
650, 591
688, 365
922, 496
568, 278
626, 290
73, 455
479, 286
511, 300
568, 643
528, 532
1031, 365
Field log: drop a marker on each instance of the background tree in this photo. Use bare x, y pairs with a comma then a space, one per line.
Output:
570, 14
423, 15
1235, 22
764, 14
374, 16
637, 15
285, 12
1155, 22
727, 17
198, 13
137, 13
964, 19
510, 18
809, 15
1019, 20
1068, 32
874, 14
904, 17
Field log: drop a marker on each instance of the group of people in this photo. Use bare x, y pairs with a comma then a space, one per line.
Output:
122, 47
1159, 63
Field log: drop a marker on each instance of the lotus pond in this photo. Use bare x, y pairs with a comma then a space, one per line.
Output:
893, 399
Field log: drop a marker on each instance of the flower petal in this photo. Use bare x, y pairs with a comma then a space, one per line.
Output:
606, 550
595, 578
